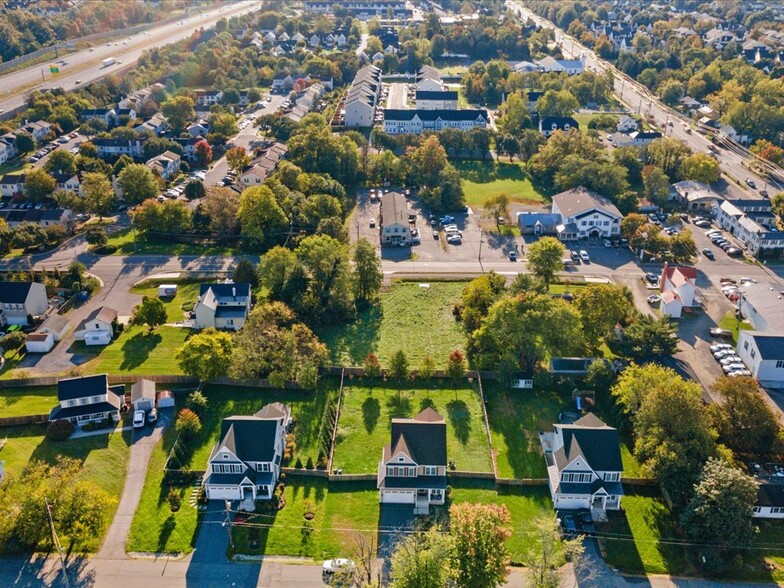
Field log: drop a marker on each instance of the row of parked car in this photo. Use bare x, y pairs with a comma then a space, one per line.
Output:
580, 523
49, 147
718, 239
731, 364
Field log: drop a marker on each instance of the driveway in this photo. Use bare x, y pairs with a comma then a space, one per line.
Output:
144, 442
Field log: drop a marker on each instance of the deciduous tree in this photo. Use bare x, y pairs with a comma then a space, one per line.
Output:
367, 271
178, 111
138, 183
237, 159
421, 560
205, 355
61, 162
701, 167
479, 532
203, 152
39, 185
647, 337
545, 258
188, 424
546, 553
262, 220
150, 312
98, 194
601, 307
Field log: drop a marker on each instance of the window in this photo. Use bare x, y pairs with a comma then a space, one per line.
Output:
757, 509
400, 459
780, 364
566, 477
431, 471
753, 354
611, 477
745, 345
265, 467
776, 509
225, 456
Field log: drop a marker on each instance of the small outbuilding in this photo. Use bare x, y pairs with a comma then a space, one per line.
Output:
143, 395
39, 342
57, 325
167, 290
165, 399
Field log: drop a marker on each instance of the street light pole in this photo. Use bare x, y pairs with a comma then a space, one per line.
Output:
228, 524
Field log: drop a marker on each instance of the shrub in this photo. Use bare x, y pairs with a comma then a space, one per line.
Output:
201, 497
298, 464
197, 402
59, 430
309, 464
321, 462
13, 340
188, 423
174, 499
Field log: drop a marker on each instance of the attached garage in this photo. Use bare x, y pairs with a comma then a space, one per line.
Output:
224, 493
397, 496
39, 342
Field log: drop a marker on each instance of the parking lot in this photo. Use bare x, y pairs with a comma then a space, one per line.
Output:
492, 246
398, 96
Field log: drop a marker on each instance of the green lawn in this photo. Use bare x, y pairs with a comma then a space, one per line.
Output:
415, 319
731, 323
367, 411
26, 401
127, 245
483, 179
155, 528
137, 351
342, 511
187, 293
525, 503
646, 518
766, 563
104, 458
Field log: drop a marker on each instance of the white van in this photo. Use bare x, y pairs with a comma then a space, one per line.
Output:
167, 290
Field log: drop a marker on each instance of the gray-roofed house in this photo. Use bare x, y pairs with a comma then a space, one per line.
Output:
56, 324
763, 354
538, 223
88, 399
584, 466
549, 124
98, 328
245, 464
394, 220
763, 306
770, 493
222, 306
436, 100
143, 395
585, 213
20, 300
412, 469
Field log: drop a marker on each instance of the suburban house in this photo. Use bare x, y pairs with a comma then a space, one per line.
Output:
56, 216
98, 328
7, 149
763, 306
763, 354
156, 124
68, 182
642, 138
198, 129
412, 469
531, 98
360, 101
438, 100
584, 466
166, 165
570, 67
113, 148
549, 124
677, 289
393, 221
538, 223
208, 97
20, 300
729, 132
86, 399
585, 213
694, 195
245, 464
105, 114
627, 124
143, 395
400, 121
222, 306
753, 223
12, 184
770, 493
38, 129
428, 79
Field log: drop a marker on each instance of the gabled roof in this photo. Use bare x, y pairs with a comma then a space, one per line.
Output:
143, 389
594, 441
423, 438
579, 200
72, 388
559, 122
13, 179
14, 292
274, 410
250, 438
230, 290
433, 115
770, 345
436, 95
394, 209
55, 323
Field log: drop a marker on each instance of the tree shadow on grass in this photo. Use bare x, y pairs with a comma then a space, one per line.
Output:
427, 403
353, 341
166, 530
371, 411
137, 349
460, 419
399, 407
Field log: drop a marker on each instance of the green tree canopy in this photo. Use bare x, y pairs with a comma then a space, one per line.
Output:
205, 355
150, 312
545, 258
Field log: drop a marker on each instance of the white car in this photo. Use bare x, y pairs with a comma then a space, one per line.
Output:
720, 347
331, 566
584, 256
654, 299
138, 419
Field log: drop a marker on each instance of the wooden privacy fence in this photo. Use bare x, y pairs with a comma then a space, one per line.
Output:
30, 419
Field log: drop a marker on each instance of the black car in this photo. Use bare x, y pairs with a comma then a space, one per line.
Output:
586, 523
569, 524
708, 253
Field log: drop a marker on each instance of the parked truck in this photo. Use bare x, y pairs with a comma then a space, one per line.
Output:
108, 61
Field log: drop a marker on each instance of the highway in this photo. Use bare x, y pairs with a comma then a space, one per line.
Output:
85, 66
640, 100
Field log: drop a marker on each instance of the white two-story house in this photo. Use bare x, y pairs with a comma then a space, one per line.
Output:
87, 399
585, 214
18, 300
584, 466
245, 463
677, 289
222, 306
412, 469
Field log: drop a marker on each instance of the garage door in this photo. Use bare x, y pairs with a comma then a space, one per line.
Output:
397, 497
223, 493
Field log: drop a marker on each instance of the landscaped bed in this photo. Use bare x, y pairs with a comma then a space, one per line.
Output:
413, 318
27, 401
369, 407
104, 459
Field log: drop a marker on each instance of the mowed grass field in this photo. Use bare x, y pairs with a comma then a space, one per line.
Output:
412, 317
187, 294
27, 401
483, 179
128, 243
104, 459
369, 407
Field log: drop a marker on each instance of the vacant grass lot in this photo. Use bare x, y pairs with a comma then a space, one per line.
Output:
104, 458
129, 244
415, 319
26, 401
483, 179
368, 409
342, 510
138, 351
647, 519
187, 294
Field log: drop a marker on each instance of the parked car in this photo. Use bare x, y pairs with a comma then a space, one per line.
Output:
730, 359
333, 565
152, 416
747, 281
722, 353
372, 223
575, 256
606, 243
513, 256
569, 524
728, 281
708, 252
720, 347
751, 183
718, 332
654, 299
703, 224
586, 523
734, 252
733, 367
435, 235
584, 256
138, 419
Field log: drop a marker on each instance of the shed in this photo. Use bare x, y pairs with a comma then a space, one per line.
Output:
165, 399
143, 395
167, 290
57, 325
39, 342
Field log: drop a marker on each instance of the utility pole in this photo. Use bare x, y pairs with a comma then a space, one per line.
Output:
228, 524
43, 77
56, 542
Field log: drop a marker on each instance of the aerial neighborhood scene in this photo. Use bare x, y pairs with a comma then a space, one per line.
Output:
405, 293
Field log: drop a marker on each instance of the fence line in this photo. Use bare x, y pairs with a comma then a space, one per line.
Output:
487, 424
521, 482
466, 475
30, 419
335, 425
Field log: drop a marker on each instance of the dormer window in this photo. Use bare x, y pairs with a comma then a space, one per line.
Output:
401, 459
225, 456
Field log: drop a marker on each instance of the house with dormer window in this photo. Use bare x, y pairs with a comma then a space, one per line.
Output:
245, 464
584, 466
585, 213
88, 399
549, 124
412, 469
222, 306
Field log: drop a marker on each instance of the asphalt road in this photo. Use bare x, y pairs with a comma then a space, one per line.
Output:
639, 100
85, 66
